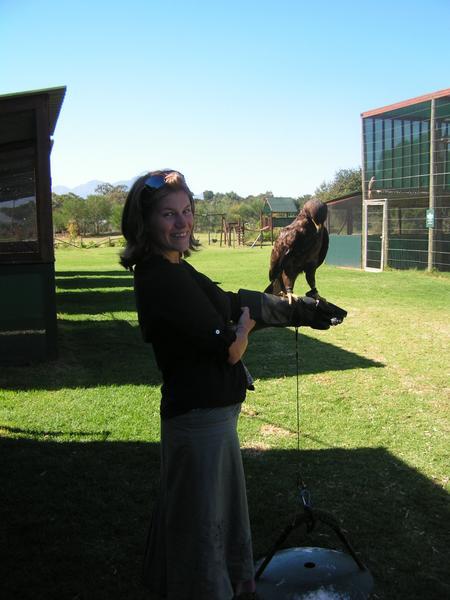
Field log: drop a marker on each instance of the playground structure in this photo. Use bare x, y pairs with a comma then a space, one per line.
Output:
276, 213
229, 233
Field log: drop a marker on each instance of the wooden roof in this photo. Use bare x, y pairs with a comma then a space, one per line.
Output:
355, 196
19, 125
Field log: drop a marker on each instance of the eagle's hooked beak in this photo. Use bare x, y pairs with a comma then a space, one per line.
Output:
318, 227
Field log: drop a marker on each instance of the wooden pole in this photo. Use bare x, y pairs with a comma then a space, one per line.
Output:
432, 191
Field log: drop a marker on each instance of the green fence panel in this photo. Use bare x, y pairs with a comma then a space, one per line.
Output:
344, 251
27, 313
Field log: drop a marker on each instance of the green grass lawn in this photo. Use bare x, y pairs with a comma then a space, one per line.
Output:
79, 436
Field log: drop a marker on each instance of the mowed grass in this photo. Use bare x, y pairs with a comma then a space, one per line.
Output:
79, 435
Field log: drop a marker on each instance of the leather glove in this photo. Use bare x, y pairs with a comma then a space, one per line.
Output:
272, 311
318, 314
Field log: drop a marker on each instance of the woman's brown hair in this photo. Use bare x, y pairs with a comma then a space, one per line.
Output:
140, 203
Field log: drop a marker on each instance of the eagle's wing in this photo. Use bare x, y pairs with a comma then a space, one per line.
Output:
281, 248
285, 244
324, 248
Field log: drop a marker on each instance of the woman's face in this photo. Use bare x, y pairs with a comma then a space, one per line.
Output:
171, 224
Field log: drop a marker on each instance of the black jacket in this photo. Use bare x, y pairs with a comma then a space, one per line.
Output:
188, 319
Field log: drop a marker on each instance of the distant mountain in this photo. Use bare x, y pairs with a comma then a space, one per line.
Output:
85, 189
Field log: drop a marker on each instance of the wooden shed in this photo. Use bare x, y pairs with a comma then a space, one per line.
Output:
278, 212
27, 273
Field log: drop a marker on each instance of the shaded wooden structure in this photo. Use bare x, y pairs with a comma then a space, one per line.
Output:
277, 212
27, 273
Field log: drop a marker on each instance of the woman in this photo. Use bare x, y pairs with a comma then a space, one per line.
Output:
199, 545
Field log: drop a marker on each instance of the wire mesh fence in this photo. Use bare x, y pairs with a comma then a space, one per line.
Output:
416, 238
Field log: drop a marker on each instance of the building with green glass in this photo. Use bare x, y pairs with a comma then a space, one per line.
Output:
406, 184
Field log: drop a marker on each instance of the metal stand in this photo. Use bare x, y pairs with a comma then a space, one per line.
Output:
309, 518
301, 573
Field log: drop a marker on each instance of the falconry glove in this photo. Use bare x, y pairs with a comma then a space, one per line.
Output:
272, 311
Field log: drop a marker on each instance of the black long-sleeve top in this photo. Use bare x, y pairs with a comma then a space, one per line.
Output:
187, 318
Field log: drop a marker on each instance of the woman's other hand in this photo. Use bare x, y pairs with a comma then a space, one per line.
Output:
239, 346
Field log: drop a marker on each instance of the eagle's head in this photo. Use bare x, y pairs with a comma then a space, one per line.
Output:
316, 211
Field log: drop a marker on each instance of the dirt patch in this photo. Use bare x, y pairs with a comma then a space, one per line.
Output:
274, 430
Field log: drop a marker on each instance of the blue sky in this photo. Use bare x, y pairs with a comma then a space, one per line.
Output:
247, 95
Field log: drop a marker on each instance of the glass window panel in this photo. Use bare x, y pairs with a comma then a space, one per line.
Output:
379, 150
425, 154
387, 155
407, 138
398, 154
18, 216
415, 154
368, 148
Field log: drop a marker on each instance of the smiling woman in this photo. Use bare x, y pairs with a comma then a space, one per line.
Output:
158, 218
171, 225
199, 545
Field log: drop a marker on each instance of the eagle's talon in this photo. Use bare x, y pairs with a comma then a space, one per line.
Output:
315, 294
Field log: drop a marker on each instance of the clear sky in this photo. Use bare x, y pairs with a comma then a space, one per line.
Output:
249, 95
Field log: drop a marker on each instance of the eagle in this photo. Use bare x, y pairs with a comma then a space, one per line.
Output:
301, 247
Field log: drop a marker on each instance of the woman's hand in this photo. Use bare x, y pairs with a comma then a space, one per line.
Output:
245, 323
244, 326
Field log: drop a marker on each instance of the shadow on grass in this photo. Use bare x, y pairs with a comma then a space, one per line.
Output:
111, 352
74, 516
95, 302
277, 346
79, 282
121, 273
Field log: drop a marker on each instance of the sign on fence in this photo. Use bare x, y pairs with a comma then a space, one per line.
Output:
430, 217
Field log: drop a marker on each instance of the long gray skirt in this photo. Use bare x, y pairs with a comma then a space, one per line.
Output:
199, 545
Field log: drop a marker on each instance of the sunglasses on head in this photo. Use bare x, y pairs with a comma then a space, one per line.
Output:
155, 182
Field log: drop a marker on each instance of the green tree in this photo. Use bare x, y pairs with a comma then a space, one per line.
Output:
98, 212
66, 208
116, 217
115, 193
345, 181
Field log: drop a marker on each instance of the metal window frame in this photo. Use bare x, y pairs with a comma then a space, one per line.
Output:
384, 236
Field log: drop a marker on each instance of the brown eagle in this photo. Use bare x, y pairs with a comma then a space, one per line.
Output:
301, 247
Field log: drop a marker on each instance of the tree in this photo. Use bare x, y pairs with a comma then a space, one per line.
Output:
66, 208
98, 212
302, 200
116, 193
345, 181
116, 217
208, 195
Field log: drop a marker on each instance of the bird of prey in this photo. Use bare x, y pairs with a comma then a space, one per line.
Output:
301, 247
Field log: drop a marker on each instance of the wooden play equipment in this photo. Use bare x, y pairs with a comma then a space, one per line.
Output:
234, 232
